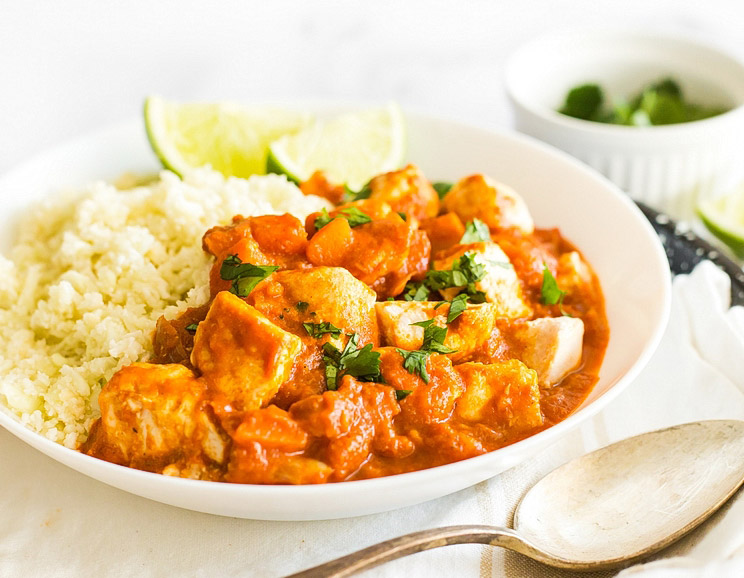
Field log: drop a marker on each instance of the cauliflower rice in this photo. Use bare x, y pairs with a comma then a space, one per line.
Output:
90, 275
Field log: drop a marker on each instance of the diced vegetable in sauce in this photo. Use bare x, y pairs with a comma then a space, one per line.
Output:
409, 327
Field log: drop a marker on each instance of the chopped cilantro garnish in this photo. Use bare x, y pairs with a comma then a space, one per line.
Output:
323, 220
457, 306
364, 364
584, 101
403, 215
658, 103
302, 306
551, 293
319, 329
434, 337
463, 272
192, 327
442, 188
401, 394
476, 231
244, 276
363, 193
414, 362
416, 291
351, 214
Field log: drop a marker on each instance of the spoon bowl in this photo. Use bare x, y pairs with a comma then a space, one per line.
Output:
602, 510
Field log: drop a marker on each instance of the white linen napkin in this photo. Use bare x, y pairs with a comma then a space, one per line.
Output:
56, 522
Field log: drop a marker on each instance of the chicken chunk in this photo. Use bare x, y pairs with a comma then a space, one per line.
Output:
266, 240
426, 401
155, 417
241, 354
465, 334
552, 346
502, 395
496, 204
318, 295
406, 191
443, 231
371, 250
352, 423
499, 282
573, 272
266, 451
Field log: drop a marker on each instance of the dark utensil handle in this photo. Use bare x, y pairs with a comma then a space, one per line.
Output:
685, 249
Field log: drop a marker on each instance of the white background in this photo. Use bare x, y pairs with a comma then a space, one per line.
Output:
69, 67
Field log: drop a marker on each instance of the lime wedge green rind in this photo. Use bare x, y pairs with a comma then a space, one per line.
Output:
231, 138
350, 148
724, 218
273, 166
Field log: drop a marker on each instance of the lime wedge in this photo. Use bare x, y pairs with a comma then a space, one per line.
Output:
350, 148
724, 217
233, 139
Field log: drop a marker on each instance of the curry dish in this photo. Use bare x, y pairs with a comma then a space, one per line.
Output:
409, 327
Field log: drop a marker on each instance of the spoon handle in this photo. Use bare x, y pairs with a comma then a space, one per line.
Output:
418, 542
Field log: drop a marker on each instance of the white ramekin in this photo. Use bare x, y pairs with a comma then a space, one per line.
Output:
668, 167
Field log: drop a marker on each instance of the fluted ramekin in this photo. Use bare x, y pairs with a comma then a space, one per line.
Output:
669, 167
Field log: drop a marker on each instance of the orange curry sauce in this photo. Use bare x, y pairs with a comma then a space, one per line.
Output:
394, 333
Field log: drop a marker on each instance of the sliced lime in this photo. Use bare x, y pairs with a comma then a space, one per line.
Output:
724, 217
233, 139
350, 148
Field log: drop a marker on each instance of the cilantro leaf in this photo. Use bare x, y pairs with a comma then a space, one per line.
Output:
658, 103
442, 188
364, 364
476, 231
434, 337
462, 272
414, 362
191, 327
416, 291
584, 101
322, 220
457, 306
363, 193
319, 329
401, 394
355, 217
244, 276
551, 293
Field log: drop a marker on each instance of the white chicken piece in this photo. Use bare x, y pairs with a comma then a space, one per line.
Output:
406, 190
330, 294
573, 272
465, 334
155, 416
552, 346
496, 204
503, 394
500, 283
241, 354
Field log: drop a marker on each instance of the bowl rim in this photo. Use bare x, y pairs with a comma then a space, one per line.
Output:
553, 117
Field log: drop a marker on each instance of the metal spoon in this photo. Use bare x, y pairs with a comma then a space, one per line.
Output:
602, 510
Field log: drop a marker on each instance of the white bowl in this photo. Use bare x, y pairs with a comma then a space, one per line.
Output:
612, 233
667, 166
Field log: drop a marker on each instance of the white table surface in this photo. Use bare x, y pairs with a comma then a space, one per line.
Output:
67, 68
